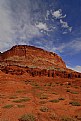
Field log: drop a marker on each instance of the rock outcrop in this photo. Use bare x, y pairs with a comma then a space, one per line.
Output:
34, 61
17, 70
32, 57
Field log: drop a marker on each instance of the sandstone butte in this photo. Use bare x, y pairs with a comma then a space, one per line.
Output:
34, 61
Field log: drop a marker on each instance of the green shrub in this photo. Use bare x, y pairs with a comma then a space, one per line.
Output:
54, 93
48, 84
35, 84
61, 98
20, 106
54, 101
68, 90
61, 84
75, 103
43, 102
44, 109
53, 116
8, 106
13, 97
22, 100
76, 87
27, 117
74, 92
43, 97
65, 118
20, 91
78, 117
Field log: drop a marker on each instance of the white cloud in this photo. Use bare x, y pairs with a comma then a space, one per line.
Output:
24, 28
47, 15
17, 26
64, 32
58, 14
61, 48
65, 25
74, 45
42, 26
5, 25
76, 68
15, 23
70, 29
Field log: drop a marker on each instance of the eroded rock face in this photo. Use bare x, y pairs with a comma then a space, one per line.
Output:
32, 57
34, 61
17, 70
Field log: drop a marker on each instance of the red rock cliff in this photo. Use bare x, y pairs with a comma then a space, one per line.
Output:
32, 57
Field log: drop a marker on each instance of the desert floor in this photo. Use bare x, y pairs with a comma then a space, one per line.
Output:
40, 98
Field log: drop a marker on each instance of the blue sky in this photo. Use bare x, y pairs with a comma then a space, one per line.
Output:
54, 25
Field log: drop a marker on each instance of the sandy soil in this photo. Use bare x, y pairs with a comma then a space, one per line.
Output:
48, 99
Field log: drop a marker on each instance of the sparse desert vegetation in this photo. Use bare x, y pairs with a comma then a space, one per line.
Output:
49, 103
8, 106
21, 100
20, 106
54, 101
74, 103
65, 118
44, 109
27, 117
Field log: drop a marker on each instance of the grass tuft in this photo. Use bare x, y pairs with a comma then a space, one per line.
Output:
65, 118
8, 106
61, 98
44, 109
53, 116
75, 103
43, 102
43, 97
20, 106
27, 117
54, 93
54, 101
13, 97
74, 92
21, 100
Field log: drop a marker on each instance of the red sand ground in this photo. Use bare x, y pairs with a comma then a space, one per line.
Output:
40, 90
